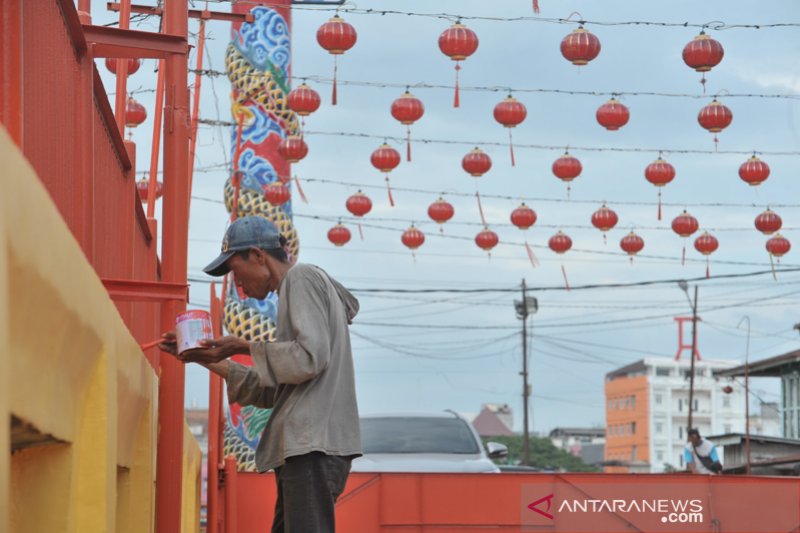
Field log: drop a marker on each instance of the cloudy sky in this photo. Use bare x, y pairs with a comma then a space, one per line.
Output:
439, 349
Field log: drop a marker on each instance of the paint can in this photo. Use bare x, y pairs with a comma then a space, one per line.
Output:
191, 327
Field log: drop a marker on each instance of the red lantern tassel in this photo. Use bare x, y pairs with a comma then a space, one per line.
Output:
536, 6
703, 82
708, 267
531, 256
360, 231
456, 101
335, 69
300, 190
389, 190
511, 147
564, 273
659, 204
480, 207
408, 143
683, 255
605, 239
772, 266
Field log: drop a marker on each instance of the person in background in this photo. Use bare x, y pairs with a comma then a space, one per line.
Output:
306, 375
701, 455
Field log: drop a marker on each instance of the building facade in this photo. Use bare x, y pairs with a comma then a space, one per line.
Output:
647, 408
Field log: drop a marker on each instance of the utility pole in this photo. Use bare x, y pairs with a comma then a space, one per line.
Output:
694, 351
525, 308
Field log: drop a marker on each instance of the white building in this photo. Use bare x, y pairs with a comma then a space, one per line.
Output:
647, 407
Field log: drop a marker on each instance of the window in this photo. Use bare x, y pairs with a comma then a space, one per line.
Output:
680, 432
726, 402
659, 427
680, 457
680, 404
417, 435
728, 428
633, 453
696, 404
662, 371
658, 398
633, 402
633, 428
660, 455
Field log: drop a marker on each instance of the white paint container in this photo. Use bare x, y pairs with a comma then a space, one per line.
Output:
191, 327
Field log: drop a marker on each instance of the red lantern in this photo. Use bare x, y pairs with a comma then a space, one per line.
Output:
580, 47
359, 204
778, 246
659, 173
631, 244
612, 115
727, 389
458, 42
510, 113
339, 235
135, 113
303, 100
486, 240
337, 37
292, 148
143, 186
715, 117
277, 193
768, 222
440, 212
523, 217
560, 243
604, 219
133, 64
684, 225
408, 109
413, 238
706, 244
754, 171
385, 158
702, 54
476, 163
567, 168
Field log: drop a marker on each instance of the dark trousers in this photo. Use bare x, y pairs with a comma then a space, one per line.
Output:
308, 486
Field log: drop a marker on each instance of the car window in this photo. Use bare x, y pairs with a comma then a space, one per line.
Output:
417, 435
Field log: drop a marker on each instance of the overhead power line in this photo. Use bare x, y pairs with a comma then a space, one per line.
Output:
548, 147
351, 9
316, 78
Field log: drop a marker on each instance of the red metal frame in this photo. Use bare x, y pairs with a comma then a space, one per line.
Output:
681, 320
145, 291
193, 13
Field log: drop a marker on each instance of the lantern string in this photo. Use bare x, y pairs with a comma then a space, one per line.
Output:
559, 148
389, 191
772, 267
564, 273
511, 147
480, 208
531, 255
683, 255
335, 71
408, 142
300, 190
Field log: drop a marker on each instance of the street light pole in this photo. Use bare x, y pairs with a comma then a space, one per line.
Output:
525, 430
694, 351
528, 306
746, 395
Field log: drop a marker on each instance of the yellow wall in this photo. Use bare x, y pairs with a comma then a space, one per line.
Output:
74, 377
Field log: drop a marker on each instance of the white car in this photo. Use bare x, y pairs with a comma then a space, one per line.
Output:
423, 442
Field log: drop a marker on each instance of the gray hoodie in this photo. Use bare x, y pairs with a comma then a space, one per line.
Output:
306, 376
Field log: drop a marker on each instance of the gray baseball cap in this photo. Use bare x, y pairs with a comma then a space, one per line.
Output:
243, 234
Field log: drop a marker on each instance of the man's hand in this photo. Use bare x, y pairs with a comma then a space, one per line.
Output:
216, 350
169, 343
